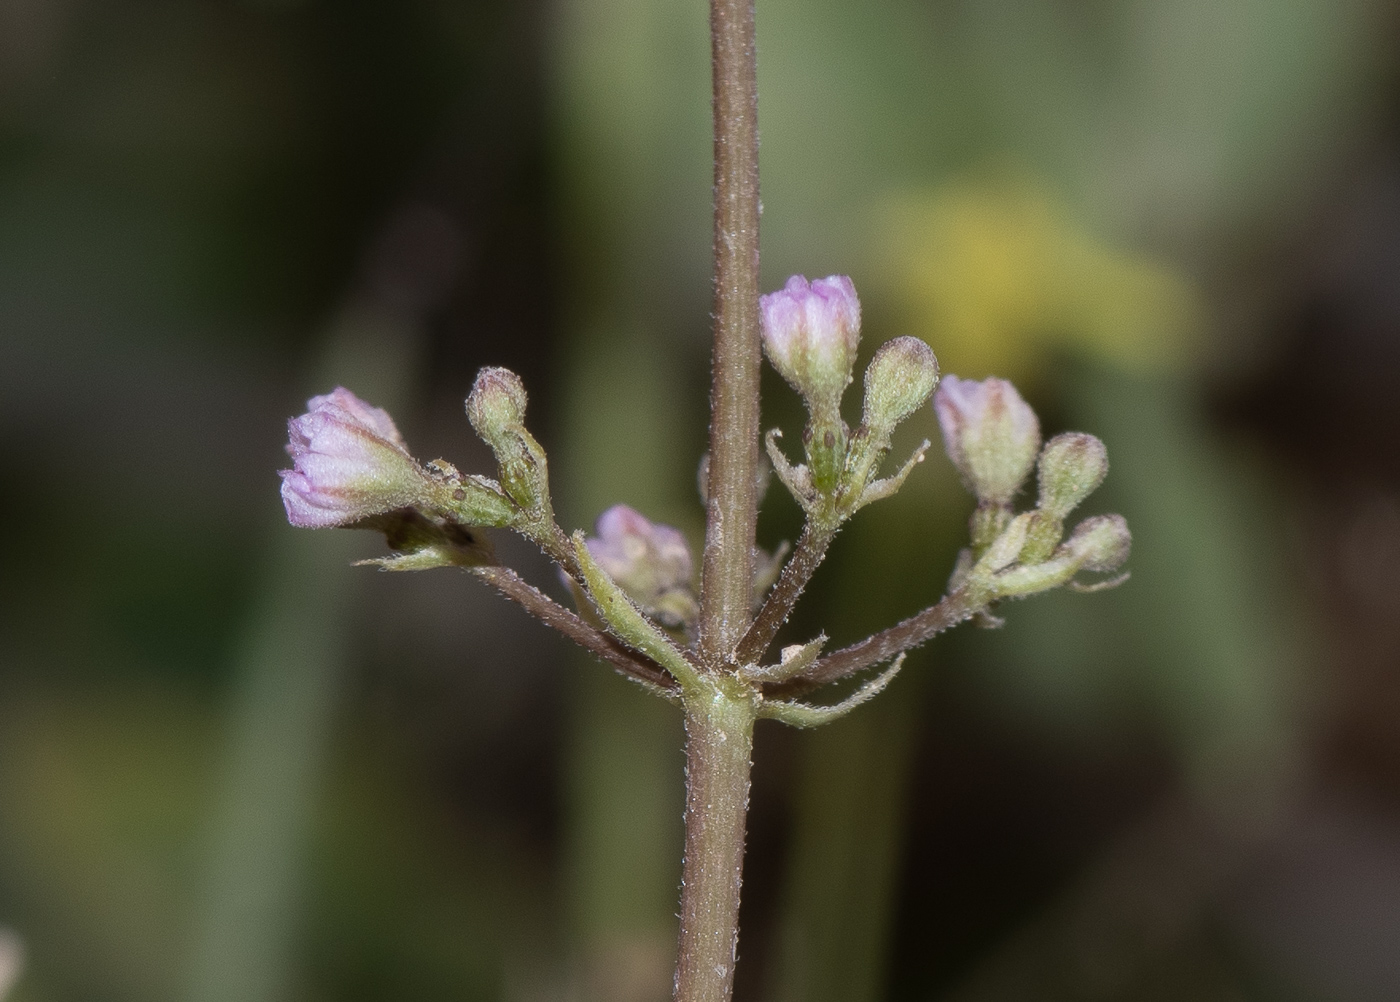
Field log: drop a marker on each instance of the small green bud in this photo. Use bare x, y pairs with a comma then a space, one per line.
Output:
1100, 543
496, 406
900, 378
496, 409
1072, 466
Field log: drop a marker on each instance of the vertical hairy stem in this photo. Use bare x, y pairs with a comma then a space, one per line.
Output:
727, 576
719, 712
719, 747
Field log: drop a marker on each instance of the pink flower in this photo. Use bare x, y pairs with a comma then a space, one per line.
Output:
650, 562
349, 462
991, 434
810, 334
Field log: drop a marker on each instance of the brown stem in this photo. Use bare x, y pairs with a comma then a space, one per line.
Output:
952, 610
719, 750
732, 511
811, 549
552, 614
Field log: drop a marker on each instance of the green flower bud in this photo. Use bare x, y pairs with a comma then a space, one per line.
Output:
1072, 466
496, 409
496, 406
1100, 543
898, 381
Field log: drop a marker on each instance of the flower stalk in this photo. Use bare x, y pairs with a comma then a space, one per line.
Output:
638, 605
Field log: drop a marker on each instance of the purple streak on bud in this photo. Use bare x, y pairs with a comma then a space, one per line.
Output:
650, 562
991, 434
810, 334
349, 462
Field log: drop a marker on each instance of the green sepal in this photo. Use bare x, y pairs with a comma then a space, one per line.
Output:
804, 715
628, 622
880, 489
797, 479
425, 540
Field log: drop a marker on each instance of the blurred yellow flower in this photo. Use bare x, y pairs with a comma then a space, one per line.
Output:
994, 276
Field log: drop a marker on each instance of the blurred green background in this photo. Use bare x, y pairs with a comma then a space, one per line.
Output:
235, 769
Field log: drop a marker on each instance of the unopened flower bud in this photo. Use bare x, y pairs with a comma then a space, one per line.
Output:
1072, 466
349, 463
496, 406
991, 434
810, 334
496, 409
650, 562
1099, 543
899, 379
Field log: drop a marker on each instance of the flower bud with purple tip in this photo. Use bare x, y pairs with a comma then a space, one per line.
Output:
811, 331
349, 462
991, 435
650, 562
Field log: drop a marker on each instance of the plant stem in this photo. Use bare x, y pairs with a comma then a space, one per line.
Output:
904, 635
720, 710
719, 748
811, 550
732, 511
573, 626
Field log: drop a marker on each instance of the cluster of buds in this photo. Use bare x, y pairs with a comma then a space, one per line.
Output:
993, 438
811, 332
351, 468
634, 581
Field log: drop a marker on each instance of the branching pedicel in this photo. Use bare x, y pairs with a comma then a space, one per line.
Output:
633, 584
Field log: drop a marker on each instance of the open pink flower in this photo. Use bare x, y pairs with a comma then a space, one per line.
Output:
810, 334
991, 434
349, 462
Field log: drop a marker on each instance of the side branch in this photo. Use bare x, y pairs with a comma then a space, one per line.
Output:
732, 510
552, 614
811, 549
955, 607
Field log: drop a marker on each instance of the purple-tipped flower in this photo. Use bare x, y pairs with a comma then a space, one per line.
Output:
349, 462
650, 562
991, 434
810, 334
